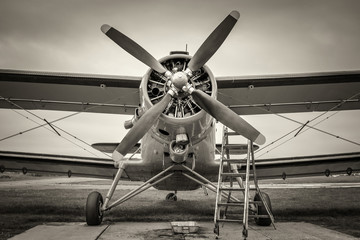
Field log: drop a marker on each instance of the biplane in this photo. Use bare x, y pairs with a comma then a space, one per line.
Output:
173, 109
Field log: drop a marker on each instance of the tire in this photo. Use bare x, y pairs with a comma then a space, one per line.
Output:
171, 197
262, 210
94, 215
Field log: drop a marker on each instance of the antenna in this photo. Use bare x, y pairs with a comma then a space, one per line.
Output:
186, 47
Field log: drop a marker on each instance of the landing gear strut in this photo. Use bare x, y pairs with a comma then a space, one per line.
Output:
95, 206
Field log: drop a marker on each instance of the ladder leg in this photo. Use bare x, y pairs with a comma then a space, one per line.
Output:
217, 230
258, 189
220, 179
246, 194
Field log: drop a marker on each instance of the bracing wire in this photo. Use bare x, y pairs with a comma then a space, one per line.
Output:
302, 125
39, 126
56, 120
45, 127
52, 125
311, 127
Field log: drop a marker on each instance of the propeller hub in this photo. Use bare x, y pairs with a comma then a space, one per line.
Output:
179, 79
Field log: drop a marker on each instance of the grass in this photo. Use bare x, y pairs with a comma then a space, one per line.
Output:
23, 208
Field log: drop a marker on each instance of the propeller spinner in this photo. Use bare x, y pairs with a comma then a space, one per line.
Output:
178, 83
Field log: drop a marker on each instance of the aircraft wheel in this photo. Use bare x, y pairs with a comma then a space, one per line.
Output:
94, 215
171, 197
262, 210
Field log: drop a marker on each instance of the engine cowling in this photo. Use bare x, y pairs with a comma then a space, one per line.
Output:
182, 111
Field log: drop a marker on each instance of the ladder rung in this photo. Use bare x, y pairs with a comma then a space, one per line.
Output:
239, 203
235, 146
231, 189
235, 189
258, 216
233, 174
240, 216
236, 174
228, 220
231, 204
235, 160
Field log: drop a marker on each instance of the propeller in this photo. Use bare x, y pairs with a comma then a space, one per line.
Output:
213, 42
141, 127
179, 82
150, 116
133, 48
226, 116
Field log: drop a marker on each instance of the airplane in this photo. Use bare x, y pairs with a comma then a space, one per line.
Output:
175, 106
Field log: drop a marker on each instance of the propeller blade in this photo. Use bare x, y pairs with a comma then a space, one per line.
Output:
133, 48
141, 127
213, 42
227, 117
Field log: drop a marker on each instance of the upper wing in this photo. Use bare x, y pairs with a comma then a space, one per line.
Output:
290, 93
69, 92
120, 94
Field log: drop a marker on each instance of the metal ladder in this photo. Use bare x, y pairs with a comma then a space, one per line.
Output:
243, 182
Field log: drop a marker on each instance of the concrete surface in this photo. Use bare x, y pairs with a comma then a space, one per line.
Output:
69, 231
162, 230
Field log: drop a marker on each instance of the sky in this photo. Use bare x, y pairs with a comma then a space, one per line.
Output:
271, 37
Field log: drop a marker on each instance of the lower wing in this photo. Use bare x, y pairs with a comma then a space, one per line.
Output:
346, 163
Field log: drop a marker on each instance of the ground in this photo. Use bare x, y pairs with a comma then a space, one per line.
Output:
28, 201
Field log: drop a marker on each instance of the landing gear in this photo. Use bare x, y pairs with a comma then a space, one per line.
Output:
171, 197
261, 210
94, 214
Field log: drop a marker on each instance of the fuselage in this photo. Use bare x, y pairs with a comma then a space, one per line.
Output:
184, 133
